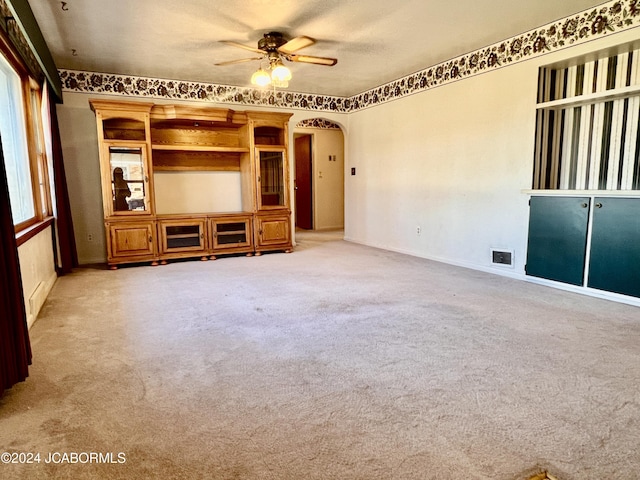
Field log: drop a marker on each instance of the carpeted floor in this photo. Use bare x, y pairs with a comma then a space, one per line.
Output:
337, 361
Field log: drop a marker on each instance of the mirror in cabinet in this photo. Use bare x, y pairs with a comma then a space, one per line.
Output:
129, 179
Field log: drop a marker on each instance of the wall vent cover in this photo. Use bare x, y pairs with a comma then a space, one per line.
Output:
502, 257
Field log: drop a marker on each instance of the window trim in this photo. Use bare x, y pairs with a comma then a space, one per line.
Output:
27, 233
40, 219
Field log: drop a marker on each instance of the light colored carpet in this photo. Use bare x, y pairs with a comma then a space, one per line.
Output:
337, 361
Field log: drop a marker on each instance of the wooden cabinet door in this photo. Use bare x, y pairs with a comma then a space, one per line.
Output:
131, 241
182, 236
231, 234
273, 232
558, 238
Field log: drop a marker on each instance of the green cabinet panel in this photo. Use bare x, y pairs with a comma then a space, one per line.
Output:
614, 264
558, 238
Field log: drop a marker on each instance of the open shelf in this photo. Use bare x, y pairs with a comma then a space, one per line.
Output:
199, 148
124, 129
196, 137
190, 160
268, 136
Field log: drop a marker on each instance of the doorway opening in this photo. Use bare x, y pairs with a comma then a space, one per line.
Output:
319, 175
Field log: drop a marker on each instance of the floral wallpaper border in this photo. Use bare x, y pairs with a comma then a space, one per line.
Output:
127, 85
610, 17
318, 123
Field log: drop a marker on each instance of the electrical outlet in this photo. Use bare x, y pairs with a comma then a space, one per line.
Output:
418, 230
89, 237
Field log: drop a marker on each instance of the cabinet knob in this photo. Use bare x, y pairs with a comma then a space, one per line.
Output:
150, 239
598, 205
585, 205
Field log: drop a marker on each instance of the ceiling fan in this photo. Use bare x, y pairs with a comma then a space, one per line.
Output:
273, 47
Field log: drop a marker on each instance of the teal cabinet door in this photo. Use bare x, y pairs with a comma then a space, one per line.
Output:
558, 238
614, 264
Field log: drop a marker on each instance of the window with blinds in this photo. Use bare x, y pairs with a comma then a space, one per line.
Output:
588, 114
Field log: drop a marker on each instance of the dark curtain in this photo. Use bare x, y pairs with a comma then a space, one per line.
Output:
15, 349
67, 242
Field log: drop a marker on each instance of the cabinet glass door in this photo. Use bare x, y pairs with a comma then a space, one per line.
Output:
272, 184
128, 179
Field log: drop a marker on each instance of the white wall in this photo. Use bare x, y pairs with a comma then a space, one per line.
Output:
452, 160
38, 271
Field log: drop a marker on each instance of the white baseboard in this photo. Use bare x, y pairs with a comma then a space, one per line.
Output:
37, 298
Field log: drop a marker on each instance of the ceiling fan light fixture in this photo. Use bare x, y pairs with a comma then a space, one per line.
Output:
279, 72
261, 78
273, 48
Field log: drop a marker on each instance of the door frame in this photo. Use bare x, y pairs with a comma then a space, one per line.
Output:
314, 126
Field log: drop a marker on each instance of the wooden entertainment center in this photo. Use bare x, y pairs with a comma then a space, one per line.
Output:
181, 181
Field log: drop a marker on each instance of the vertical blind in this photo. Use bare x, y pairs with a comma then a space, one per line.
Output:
587, 125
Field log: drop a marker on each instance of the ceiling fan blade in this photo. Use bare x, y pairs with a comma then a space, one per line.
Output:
329, 62
232, 62
296, 44
240, 45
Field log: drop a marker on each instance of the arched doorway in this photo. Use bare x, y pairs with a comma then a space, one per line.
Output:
318, 175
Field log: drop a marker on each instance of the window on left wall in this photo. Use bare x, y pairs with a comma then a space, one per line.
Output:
22, 139
14, 143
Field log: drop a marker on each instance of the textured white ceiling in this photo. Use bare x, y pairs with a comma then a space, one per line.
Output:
375, 41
